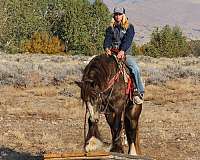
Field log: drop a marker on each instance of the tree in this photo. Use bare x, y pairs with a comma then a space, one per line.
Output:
100, 18
167, 42
23, 18
80, 24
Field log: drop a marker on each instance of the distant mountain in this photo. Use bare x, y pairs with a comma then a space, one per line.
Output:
146, 14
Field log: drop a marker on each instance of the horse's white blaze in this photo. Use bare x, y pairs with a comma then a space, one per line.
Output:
91, 112
94, 144
132, 149
93, 115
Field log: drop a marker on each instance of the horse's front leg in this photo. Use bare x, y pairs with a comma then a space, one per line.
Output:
93, 139
131, 126
114, 121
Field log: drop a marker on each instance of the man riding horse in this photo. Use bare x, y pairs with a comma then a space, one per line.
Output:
119, 35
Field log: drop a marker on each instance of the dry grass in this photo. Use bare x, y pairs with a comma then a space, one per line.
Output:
44, 91
50, 117
172, 92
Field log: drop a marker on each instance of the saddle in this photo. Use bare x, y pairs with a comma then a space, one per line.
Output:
128, 78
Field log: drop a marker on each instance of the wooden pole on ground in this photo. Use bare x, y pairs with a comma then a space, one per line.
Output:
92, 155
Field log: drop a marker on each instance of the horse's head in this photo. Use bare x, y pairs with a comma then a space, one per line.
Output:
89, 95
96, 76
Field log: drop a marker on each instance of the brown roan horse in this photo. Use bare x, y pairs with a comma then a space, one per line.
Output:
99, 95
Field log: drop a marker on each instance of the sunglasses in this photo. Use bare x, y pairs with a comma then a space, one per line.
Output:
116, 14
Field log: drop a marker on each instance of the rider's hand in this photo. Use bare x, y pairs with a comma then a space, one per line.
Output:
121, 55
108, 52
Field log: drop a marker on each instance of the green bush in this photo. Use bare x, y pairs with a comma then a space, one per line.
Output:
195, 47
167, 42
136, 49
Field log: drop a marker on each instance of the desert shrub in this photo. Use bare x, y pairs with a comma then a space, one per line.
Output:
170, 72
154, 76
167, 42
136, 49
195, 47
42, 42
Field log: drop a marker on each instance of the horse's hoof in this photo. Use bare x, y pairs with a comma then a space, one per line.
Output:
132, 150
117, 149
93, 144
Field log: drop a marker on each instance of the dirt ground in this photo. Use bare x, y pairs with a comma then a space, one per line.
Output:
50, 118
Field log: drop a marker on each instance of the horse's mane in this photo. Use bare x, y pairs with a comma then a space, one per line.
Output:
96, 75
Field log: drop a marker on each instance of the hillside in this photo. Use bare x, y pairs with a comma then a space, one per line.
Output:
146, 14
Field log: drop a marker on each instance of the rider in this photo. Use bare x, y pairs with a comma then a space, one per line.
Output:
119, 35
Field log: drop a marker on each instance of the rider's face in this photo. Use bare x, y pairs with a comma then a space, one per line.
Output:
118, 17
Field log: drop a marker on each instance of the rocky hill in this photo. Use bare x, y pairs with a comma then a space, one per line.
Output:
146, 14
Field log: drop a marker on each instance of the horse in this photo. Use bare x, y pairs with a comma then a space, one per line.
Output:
103, 91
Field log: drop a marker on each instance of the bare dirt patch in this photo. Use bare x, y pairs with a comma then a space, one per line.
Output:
40, 120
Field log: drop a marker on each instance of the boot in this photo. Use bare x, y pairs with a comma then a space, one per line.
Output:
137, 97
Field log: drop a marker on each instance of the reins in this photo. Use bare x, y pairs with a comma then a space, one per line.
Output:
111, 83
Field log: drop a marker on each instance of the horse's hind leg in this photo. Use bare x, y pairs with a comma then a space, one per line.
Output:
131, 126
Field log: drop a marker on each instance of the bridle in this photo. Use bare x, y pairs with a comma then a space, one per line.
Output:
110, 87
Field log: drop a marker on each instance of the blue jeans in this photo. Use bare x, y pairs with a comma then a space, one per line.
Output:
135, 71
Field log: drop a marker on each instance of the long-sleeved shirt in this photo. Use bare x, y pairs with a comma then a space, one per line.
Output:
118, 37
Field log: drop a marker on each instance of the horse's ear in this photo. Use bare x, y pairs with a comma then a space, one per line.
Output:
79, 83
